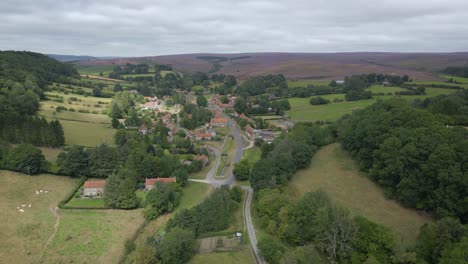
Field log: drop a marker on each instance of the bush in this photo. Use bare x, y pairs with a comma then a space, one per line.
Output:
319, 101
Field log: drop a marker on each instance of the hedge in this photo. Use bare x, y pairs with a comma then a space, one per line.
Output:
62, 204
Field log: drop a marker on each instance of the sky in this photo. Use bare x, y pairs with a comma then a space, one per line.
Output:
150, 27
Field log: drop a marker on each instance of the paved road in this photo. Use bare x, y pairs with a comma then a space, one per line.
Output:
210, 179
249, 224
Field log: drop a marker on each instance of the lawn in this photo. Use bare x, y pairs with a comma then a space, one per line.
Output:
333, 171
376, 88
86, 202
244, 256
252, 154
92, 236
23, 235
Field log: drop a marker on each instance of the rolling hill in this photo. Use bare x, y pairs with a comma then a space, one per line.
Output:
419, 66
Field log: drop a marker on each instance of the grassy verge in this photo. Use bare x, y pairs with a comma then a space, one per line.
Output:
333, 171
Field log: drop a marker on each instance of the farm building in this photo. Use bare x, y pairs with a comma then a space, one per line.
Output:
219, 122
149, 183
94, 188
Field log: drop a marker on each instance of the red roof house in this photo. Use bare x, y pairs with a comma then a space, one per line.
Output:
149, 183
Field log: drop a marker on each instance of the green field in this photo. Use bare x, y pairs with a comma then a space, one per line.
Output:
84, 129
87, 134
302, 110
235, 257
385, 89
92, 236
457, 79
333, 171
24, 235
139, 75
94, 69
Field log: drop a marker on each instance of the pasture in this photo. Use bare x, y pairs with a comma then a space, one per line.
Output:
24, 235
92, 236
88, 128
87, 134
302, 110
94, 69
333, 171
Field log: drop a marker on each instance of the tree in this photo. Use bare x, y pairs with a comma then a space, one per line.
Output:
456, 254
201, 101
181, 176
319, 101
436, 238
103, 161
115, 123
74, 162
242, 170
117, 88
177, 246
26, 158
240, 105
270, 249
161, 199
97, 92
119, 191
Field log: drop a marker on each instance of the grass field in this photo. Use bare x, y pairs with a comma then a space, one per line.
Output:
23, 235
244, 257
457, 79
333, 171
85, 129
385, 89
90, 236
94, 69
302, 110
87, 134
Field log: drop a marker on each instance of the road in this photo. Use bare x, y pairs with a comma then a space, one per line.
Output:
249, 224
210, 179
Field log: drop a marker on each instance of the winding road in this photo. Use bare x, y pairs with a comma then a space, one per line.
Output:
210, 179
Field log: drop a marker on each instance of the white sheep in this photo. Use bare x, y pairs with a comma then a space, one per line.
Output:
29, 205
21, 210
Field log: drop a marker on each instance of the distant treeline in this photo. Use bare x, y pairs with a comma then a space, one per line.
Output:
460, 71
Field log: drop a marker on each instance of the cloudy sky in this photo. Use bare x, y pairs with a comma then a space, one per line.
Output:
150, 27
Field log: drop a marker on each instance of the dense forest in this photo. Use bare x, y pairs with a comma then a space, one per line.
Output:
412, 153
23, 79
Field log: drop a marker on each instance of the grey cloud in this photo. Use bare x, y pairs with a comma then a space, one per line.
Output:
144, 27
